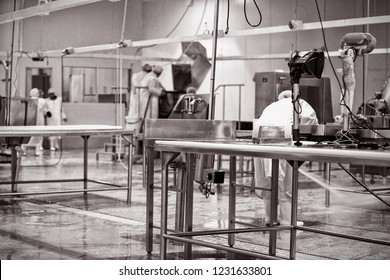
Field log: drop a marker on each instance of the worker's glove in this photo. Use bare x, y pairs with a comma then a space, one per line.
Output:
48, 114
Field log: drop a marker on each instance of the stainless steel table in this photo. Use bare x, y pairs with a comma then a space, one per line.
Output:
233, 149
84, 131
174, 129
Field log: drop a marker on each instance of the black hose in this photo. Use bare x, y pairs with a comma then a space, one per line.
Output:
363, 185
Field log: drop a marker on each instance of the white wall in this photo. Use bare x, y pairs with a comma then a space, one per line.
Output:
275, 13
87, 25
100, 23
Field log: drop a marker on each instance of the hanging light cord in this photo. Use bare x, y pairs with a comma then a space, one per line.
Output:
260, 15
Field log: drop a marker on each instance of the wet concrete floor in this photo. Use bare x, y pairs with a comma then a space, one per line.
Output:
102, 226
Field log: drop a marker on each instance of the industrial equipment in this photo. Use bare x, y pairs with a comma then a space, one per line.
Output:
22, 112
266, 135
190, 106
316, 92
377, 113
180, 129
195, 106
360, 43
310, 64
352, 45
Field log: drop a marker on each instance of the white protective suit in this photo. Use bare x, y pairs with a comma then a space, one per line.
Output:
57, 115
279, 113
153, 89
41, 104
135, 114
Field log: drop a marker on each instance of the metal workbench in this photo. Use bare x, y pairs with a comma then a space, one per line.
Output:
12, 133
233, 149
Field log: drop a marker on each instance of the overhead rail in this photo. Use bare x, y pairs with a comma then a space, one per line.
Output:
43, 9
249, 32
172, 59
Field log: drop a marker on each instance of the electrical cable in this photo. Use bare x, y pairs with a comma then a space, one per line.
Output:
124, 22
227, 17
299, 109
9, 93
342, 101
326, 46
188, 47
112, 21
118, 139
48, 165
202, 17
181, 18
199, 25
246, 16
172, 30
16, 75
363, 185
369, 105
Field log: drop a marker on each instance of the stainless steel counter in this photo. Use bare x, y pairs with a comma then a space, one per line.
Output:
321, 154
85, 131
245, 148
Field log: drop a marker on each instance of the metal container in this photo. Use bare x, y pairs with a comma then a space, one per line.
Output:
194, 129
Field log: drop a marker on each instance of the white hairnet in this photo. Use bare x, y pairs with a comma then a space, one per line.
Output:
34, 92
285, 94
191, 90
157, 69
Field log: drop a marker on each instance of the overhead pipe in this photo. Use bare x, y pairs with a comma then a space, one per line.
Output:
232, 34
43, 9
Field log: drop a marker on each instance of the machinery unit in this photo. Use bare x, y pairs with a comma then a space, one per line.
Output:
23, 111
268, 85
316, 92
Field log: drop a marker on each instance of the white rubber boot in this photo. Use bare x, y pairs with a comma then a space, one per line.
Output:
52, 144
285, 213
267, 210
37, 150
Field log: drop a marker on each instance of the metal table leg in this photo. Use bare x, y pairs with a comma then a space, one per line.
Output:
274, 205
85, 138
294, 210
180, 185
232, 199
164, 213
14, 168
149, 186
129, 139
327, 179
189, 202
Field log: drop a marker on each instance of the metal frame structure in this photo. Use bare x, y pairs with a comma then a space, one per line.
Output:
84, 131
291, 153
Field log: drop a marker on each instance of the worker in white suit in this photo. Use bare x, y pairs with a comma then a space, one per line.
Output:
135, 114
280, 113
151, 92
37, 141
54, 116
